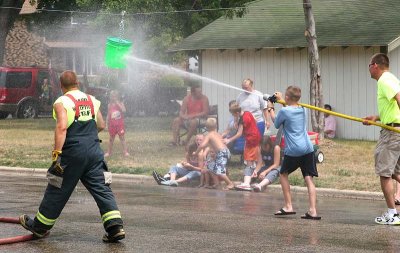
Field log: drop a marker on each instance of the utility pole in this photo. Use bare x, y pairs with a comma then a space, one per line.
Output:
316, 99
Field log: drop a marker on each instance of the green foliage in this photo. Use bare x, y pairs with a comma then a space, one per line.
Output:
192, 82
167, 23
171, 81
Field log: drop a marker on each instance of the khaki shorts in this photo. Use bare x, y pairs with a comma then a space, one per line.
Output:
200, 122
387, 154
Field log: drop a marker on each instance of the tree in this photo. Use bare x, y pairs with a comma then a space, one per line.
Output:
162, 23
316, 99
9, 10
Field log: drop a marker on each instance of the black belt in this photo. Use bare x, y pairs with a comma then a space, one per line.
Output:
393, 124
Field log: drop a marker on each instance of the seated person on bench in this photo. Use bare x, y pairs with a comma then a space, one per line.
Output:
194, 112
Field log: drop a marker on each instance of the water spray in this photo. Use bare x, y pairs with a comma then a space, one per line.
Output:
182, 73
266, 97
274, 100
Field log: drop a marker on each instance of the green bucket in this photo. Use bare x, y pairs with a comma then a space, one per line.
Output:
116, 50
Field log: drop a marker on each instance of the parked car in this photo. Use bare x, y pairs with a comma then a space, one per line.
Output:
24, 93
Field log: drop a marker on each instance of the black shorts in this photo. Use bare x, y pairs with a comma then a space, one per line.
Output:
306, 163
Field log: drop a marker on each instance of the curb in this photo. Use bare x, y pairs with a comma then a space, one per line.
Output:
142, 179
15, 171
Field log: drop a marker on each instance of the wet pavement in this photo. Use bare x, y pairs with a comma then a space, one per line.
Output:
165, 219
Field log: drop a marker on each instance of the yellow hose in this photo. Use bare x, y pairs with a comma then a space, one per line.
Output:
345, 116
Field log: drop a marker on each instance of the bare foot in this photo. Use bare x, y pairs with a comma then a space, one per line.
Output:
211, 186
200, 186
229, 187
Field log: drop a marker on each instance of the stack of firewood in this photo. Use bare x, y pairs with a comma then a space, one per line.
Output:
24, 48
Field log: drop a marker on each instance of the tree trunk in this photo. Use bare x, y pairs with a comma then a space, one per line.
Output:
7, 17
316, 99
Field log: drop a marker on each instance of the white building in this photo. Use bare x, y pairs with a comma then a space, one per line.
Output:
268, 45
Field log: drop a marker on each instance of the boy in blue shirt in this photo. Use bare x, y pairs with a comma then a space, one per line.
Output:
298, 152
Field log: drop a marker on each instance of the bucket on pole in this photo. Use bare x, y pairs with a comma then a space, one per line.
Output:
116, 51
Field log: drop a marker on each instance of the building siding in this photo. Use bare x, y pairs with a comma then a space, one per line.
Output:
346, 82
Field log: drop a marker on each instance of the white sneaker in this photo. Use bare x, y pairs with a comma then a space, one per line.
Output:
243, 187
167, 182
388, 219
173, 183
395, 221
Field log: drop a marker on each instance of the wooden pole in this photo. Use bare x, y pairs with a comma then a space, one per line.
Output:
316, 98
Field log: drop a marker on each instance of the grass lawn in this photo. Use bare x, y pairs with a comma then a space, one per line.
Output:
28, 143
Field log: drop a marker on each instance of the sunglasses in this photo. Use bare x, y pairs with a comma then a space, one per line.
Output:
371, 64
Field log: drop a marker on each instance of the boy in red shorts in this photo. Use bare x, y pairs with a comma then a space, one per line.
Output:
247, 126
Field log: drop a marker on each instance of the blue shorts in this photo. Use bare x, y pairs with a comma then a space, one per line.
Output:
182, 172
306, 163
218, 167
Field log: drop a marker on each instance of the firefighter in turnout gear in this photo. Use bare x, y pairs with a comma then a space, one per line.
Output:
76, 156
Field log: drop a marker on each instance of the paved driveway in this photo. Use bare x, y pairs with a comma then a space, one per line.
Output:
164, 219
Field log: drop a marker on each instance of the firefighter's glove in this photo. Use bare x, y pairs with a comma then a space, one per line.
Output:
55, 154
56, 165
56, 171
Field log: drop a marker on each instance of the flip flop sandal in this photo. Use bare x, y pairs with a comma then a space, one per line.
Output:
307, 216
283, 212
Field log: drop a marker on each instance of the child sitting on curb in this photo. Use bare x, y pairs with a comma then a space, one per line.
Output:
188, 170
269, 164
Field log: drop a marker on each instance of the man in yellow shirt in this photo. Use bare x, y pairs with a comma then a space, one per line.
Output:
387, 152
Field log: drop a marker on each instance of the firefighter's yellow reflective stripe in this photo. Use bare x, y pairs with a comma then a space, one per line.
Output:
44, 220
111, 215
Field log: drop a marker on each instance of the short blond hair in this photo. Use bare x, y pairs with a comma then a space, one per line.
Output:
211, 124
294, 93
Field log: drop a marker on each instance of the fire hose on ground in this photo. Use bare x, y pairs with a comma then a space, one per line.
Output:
15, 239
274, 100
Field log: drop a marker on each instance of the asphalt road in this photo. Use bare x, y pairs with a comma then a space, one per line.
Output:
183, 219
